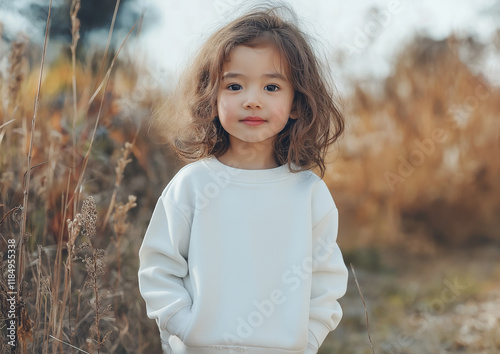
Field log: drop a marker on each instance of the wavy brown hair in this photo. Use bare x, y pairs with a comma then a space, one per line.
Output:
304, 141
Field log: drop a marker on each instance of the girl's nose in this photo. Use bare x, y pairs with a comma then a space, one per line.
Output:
252, 101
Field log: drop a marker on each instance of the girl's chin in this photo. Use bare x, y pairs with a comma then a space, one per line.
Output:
252, 140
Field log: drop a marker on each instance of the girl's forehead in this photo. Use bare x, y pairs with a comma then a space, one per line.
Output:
255, 57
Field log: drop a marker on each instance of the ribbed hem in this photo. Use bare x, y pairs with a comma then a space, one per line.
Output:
311, 349
178, 347
319, 330
243, 175
313, 345
178, 322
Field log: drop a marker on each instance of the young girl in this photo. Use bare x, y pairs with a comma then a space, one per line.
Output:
240, 255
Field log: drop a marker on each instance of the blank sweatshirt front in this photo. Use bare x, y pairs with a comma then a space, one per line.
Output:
243, 261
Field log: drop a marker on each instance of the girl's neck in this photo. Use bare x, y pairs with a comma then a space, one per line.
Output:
249, 156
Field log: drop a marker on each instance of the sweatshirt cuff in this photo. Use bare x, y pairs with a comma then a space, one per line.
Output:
310, 349
178, 322
317, 333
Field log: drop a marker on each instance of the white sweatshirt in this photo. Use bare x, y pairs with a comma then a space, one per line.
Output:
243, 261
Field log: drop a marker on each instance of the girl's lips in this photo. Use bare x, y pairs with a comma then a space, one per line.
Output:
253, 120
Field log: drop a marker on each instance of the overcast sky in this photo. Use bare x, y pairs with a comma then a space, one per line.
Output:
370, 39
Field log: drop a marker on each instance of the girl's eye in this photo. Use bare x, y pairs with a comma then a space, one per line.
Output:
234, 87
271, 88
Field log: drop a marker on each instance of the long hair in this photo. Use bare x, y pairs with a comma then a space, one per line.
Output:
304, 141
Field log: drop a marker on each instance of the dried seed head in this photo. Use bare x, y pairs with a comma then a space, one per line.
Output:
45, 286
131, 201
89, 216
74, 228
120, 223
95, 266
122, 162
16, 73
75, 23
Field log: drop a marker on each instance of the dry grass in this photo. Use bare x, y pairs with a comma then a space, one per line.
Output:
87, 210
420, 154
76, 294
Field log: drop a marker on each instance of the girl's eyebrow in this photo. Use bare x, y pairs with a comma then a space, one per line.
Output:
274, 75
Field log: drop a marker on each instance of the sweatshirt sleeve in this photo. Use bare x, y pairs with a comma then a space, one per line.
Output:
329, 281
163, 264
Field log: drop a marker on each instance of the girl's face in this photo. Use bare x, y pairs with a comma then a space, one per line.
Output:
255, 97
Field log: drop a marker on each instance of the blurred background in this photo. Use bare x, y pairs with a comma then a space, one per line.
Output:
415, 176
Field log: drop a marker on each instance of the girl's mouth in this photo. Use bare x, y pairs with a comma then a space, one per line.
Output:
253, 120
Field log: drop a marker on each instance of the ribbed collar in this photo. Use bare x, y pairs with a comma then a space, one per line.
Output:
243, 175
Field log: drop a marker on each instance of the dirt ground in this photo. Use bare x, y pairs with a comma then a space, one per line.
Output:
447, 303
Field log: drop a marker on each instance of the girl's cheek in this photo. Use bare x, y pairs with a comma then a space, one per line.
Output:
281, 111
222, 105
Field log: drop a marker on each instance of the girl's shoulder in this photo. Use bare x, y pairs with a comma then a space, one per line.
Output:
186, 175
191, 169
